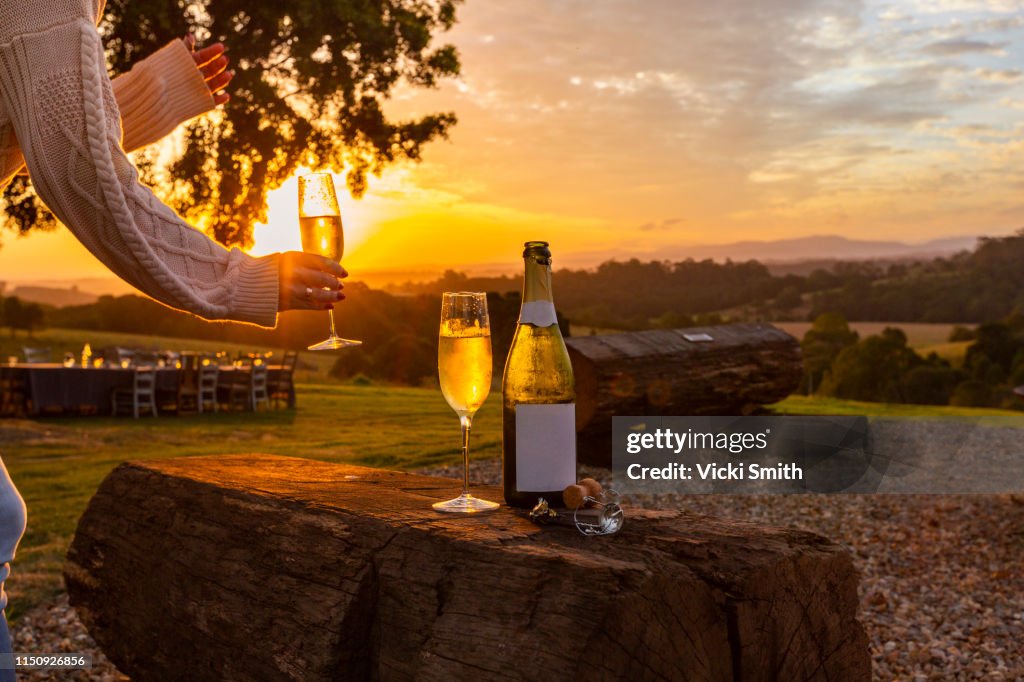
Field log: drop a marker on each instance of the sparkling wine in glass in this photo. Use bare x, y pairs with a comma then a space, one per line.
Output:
464, 369
322, 234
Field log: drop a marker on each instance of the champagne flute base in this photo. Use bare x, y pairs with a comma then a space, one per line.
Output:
335, 343
465, 504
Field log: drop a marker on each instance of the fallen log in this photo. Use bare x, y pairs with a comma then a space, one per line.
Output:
724, 370
257, 567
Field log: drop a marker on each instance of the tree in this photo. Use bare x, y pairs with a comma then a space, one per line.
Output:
873, 368
33, 318
973, 393
931, 384
13, 314
788, 298
996, 342
822, 343
311, 80
23, 316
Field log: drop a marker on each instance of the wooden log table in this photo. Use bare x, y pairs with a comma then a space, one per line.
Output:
258, 567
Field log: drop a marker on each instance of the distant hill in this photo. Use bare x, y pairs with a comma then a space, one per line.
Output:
828, 248
53, 296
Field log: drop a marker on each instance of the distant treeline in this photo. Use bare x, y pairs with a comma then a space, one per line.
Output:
986, 284
634, 294
399, 332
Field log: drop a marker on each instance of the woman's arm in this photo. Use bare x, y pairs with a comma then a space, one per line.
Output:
162, 91
64, 114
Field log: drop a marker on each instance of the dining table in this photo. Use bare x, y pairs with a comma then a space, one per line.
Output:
53, 388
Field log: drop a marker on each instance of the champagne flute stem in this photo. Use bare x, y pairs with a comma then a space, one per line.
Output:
466, 424
334, 334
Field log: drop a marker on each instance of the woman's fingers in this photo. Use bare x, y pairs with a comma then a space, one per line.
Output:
214, 68
307, 298
318, 279
317, 262
220, 81
309, 281
207, 54
321, 297
212, 63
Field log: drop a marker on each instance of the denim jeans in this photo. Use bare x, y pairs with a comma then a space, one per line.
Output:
6, 675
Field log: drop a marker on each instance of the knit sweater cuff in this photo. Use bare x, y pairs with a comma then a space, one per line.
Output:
256, 291
159, 93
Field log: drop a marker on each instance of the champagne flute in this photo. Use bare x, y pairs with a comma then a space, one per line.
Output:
322, 234
464, 368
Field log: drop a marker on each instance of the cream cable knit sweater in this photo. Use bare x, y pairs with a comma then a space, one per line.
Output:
55, 89
161, 92
60, 103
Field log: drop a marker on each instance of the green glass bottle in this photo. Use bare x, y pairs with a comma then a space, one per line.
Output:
538, 396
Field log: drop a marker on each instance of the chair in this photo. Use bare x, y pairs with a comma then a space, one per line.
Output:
142, 394
282, 387
36, 355
252, 393
208, 374
187, 399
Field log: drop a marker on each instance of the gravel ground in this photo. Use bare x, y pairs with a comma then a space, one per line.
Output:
942, 588
55, 628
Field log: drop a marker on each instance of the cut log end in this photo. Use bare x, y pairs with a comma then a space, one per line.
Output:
725, 370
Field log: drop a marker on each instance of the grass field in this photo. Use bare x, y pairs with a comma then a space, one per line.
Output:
58, 463
798, 404
953, 351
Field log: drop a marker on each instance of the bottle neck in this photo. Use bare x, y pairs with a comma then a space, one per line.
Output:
538, 305
537, 283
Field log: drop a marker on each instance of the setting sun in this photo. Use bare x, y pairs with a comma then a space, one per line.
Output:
281, 231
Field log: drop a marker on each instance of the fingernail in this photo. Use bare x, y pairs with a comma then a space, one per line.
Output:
340, 295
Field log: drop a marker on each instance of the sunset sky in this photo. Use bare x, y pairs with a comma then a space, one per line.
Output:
612, 131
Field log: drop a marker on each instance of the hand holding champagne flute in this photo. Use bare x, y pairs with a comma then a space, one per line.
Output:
322, 234
464, 369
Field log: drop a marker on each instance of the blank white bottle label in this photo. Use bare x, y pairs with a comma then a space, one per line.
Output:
545, 447
538, 313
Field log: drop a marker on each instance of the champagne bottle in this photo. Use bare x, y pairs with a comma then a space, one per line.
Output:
538, 396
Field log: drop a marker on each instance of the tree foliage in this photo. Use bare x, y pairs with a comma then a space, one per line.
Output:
986, 284
18, 315
821, 345
312, 79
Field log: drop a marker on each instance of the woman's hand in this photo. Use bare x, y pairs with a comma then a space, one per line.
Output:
213, 64
309, 282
